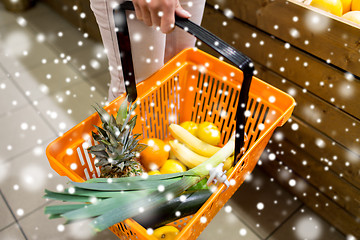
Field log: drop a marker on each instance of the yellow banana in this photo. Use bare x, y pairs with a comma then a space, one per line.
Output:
192, 159
185, 155
195, 144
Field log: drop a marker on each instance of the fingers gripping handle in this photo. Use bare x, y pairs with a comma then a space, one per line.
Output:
233, 55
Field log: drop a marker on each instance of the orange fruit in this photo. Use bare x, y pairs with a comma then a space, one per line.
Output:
346, 5
332, 6
155, 154
353, 16
355, 5
172, 166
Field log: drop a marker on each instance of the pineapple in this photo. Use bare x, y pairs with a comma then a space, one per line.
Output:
117, 147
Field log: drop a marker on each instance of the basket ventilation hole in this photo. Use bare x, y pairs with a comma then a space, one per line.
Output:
86, 173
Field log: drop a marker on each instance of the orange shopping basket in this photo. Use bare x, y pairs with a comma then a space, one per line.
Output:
193, 86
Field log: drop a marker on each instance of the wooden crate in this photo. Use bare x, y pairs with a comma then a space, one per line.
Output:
320, 67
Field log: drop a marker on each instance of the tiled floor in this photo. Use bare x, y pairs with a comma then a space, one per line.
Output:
48, 83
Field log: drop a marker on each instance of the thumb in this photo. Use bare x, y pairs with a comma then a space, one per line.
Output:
179, 11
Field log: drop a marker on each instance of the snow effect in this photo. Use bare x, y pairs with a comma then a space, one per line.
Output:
228, 209
150, 231
203, 219
18, 44
260, 206
242, 232
15, 43
33, 177
307, 228
292, 182
80, 230
272, 156
161, 188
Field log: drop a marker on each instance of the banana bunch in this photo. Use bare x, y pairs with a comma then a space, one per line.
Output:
190, 150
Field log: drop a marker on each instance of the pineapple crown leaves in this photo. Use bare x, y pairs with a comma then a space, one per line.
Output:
116, 142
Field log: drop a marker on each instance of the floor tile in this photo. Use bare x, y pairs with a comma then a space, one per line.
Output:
20, 47
262, 203
305, 224
69, 41
12, 233
101, 82
60, 34
66, 108
63, 37
90, 61
46, 79
22, 130
11, 97
225, 225
6, 217
37, 226
40, 22
28, 175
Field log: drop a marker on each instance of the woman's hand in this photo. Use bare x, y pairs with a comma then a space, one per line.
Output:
159, 13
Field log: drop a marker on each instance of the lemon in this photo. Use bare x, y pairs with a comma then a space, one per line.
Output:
166, 232
332, 6
172, 166
209, 133
192, 127
228, 163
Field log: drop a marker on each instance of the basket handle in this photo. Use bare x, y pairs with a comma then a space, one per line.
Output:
237, 58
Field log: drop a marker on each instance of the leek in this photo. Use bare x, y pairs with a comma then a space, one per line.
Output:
112, 200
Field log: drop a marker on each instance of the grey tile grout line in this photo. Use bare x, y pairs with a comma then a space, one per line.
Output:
100, 92
56, 51
14, 110
16, 220
29, 100
9, 159
35, 30
286, 219
26, 215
